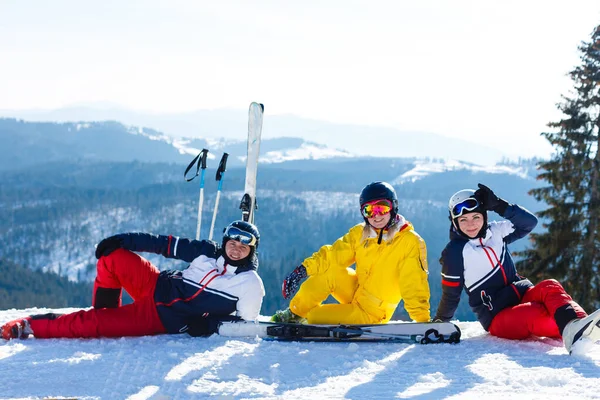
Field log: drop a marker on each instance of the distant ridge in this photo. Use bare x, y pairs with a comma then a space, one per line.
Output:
360, 140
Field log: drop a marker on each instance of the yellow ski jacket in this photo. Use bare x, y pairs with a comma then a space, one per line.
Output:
394, 270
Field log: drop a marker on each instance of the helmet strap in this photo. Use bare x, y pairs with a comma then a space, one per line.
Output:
380, 236
393, 220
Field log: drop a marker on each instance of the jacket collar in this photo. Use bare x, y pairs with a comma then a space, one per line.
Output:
251, 265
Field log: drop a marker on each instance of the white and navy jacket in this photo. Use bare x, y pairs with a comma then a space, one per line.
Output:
485, 268
208, 286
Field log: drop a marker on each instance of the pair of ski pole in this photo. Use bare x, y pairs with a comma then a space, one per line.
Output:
200, 161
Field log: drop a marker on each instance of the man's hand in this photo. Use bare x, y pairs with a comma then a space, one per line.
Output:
108, 245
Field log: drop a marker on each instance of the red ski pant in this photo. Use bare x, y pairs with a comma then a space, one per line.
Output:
120, 269
535, 314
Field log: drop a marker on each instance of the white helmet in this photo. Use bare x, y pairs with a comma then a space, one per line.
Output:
462, 202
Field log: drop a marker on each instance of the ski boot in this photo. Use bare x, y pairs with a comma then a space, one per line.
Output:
588, 327
288, 317
16, 329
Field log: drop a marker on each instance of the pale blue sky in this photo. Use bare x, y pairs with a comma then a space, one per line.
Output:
487, 71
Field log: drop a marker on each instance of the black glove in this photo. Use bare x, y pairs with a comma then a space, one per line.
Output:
206, 326
291, 283
489, 200
108, 245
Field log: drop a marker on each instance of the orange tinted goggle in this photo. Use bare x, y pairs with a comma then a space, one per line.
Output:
376, 207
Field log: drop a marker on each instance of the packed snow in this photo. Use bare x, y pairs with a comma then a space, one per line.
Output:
306, 151
182, 367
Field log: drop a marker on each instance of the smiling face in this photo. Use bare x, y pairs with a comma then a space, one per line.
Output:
379, 221
470, 224
237, 251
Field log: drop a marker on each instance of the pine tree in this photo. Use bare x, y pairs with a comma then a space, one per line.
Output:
569, 248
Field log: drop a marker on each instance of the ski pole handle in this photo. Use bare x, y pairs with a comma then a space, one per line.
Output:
222, 168
201, 158
219, 177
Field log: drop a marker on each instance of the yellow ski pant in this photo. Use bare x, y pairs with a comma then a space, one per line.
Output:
342, 285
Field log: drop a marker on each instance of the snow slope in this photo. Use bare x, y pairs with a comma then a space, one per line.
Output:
182, 367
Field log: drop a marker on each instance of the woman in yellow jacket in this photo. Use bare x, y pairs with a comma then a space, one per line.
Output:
391, 265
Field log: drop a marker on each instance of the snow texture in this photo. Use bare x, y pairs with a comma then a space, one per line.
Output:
424, 168
182, 367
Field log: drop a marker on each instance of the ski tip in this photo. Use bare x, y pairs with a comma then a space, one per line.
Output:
255, 104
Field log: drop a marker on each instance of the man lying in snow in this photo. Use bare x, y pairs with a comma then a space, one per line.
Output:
220, 282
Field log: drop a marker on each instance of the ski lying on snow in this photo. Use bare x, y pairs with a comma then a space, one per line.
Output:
404, 332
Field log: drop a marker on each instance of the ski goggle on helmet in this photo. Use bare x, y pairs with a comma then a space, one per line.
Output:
240, 235
376, 207
462, 202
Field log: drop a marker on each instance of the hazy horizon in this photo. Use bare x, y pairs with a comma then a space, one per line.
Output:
485, 72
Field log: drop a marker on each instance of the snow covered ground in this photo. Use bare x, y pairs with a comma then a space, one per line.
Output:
182, 367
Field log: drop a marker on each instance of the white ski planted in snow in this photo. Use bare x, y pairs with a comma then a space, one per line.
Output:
255, 119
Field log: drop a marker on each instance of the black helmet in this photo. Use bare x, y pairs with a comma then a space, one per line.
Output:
378, 191
243, 232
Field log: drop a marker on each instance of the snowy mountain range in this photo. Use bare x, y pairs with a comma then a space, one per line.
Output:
182, 367
26, 143
225, 124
